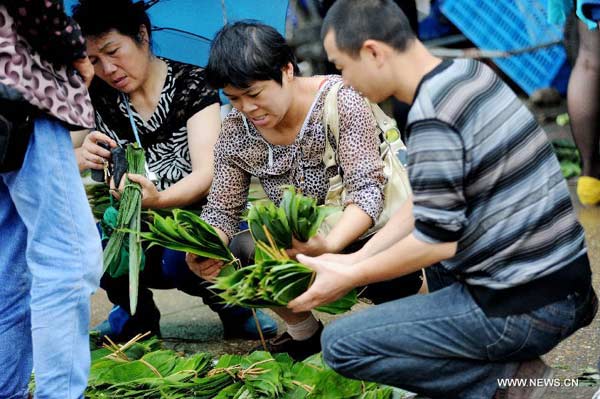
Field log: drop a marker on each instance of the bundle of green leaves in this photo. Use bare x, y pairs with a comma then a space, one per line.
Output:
273, 282
128, 227
98, 198
297, 215
326, 383
157, 374
303, 215
185, 231
274, 220
260, 375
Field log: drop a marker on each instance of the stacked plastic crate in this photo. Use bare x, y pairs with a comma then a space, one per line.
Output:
511, 25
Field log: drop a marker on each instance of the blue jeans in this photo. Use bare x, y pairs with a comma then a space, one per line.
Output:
442, 345
50, 263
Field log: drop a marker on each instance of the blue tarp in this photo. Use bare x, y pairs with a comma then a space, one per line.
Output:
202, 18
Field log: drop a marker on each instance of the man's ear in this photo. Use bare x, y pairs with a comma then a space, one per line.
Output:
374, 50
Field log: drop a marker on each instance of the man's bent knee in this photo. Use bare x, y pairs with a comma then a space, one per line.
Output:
338, 353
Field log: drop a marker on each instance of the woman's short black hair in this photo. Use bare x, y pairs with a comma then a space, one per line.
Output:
247, 51
98, 17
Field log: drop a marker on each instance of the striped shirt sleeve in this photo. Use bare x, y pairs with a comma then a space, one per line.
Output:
436, 169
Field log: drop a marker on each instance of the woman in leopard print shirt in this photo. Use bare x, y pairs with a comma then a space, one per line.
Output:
276, 133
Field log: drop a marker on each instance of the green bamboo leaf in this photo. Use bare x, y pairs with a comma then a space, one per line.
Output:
165, 226
175, 232
135, 260
340, 306
273, 283
322, 213
129, 206
292, 290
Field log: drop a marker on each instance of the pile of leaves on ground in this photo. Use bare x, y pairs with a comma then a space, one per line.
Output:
144, 370
568, 156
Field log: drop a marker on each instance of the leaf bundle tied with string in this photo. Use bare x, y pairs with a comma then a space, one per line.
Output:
274, 282
128, 227
142, 369
185, 231
303, 215
137, 369
297, 215
274, 219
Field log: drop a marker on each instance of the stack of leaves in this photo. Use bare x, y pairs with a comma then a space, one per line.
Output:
137, 370
297, 216
326, 383
259, 375
265, 213
185, 231
128, 227
303, 215
274, 282
568, 156
141, 370
98, 198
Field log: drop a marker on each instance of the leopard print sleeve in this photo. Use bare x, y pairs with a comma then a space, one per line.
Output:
359, 154
229, 190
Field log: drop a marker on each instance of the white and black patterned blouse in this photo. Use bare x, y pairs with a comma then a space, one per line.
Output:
164, 135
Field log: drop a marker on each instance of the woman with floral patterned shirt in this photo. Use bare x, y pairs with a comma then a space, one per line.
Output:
276, 134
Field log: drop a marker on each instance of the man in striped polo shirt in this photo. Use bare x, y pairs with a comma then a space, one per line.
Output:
489, 204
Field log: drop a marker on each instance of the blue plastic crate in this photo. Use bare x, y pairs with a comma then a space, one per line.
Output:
510, 25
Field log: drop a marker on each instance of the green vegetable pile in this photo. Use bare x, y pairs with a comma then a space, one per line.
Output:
568, 156
128, 227
144, 370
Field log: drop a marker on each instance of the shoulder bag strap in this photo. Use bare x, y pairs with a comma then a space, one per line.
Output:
331, 123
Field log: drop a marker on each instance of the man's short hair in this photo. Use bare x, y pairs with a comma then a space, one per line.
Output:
354, 21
